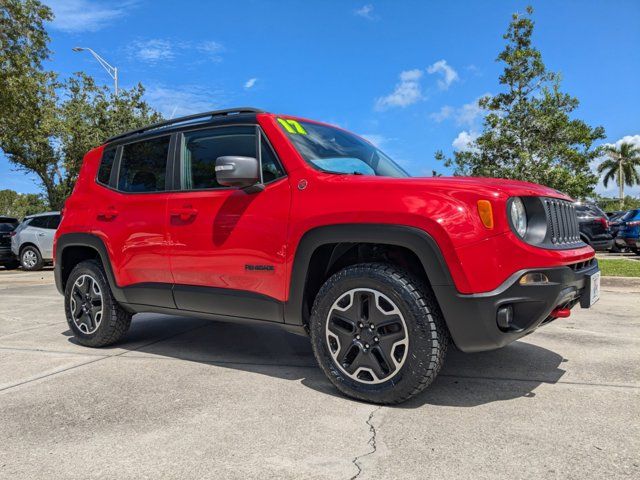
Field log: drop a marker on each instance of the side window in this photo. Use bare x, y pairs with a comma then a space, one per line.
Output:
38, 222
271, 169
201, 148
106, 164
143, 166
52, 222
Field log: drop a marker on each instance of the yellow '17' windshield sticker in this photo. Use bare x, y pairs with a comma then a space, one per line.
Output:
291, 126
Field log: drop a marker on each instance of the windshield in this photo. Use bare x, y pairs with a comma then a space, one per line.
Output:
629, 215
336, 151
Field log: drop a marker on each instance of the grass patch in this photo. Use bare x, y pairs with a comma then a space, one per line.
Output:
619, 268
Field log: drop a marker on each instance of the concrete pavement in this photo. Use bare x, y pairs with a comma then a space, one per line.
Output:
186, 398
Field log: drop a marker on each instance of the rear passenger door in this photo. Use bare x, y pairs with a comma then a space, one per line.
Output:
227, 242
37, 233
45, 239
131, 212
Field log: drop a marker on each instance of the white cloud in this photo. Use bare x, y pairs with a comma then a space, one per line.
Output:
406, 93
633, 139
74, 16
366, 11
376, 139
449, 75
250, 83
470, 112
464, 140
184, 99
467, 115
163, 50
153, 50
444, 113
611, 190
211, 49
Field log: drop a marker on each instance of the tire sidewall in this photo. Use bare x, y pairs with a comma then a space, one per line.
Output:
93, 270
419, 331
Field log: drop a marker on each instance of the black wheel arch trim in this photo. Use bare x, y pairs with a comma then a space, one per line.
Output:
416, 240
94, 242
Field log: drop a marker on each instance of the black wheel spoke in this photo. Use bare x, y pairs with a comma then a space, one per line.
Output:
343, 330
363, 302
381, 363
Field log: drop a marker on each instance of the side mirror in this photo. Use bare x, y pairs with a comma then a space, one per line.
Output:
241, 172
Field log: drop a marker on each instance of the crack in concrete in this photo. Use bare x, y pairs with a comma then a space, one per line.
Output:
372, 442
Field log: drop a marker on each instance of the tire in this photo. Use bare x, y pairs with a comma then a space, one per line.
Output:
31, 259
12, 265
391, 299
93, 315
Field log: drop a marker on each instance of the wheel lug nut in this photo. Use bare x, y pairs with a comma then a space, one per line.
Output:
357, 337
360, 325
366, 346
376, 339
371, 326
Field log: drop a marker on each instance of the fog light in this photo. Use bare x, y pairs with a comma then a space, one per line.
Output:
504, 317
534, 279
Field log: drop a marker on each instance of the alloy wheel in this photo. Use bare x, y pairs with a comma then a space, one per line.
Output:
86, 304
367, 336
29, 258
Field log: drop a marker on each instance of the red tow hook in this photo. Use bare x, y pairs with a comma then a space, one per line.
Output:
561, 313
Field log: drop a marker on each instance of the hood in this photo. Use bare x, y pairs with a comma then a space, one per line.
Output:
479, 185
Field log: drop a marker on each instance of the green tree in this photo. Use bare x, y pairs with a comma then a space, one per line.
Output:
527, 131
47, 125
18, 205
609, 204
621, 165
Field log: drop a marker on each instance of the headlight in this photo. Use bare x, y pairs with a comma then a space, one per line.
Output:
518, 216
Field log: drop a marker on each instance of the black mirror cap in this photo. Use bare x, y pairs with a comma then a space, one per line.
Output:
240, 172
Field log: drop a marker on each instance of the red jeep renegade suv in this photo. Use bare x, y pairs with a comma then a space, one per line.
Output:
241, 214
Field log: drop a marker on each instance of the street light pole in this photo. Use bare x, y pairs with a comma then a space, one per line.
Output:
111, 70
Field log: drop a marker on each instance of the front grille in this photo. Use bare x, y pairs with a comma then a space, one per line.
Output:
576, 267
562, 222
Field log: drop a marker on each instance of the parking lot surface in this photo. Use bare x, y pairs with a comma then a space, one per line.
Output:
186, 398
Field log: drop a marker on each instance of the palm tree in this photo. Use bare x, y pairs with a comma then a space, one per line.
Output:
621, 165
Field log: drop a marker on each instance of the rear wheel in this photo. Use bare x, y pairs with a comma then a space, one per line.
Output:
94, 316
31, 259
377, 333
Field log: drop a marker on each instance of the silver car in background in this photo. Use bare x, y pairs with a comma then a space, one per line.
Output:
32, 240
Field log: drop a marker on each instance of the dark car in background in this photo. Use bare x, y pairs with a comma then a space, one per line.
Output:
7, 258
594, 226
629, 231
615, 222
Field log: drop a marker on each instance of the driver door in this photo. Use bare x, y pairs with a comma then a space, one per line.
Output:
228, 245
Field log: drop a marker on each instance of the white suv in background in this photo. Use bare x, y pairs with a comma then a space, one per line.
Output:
32, 240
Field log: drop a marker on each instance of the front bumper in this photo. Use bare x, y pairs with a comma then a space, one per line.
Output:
472, 319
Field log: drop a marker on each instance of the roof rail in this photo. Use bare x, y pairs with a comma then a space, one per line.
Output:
188, 118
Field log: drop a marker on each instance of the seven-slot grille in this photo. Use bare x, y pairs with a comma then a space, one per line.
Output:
562, 221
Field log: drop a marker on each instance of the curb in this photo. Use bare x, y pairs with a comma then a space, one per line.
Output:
633, 282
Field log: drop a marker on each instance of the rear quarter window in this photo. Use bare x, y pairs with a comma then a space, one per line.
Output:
106, 165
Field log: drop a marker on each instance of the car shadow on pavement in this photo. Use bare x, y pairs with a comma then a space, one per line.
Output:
466, 380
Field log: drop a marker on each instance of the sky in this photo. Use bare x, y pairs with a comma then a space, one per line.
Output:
404, 74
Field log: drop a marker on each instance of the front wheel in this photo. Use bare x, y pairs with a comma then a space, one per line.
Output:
377, 333
31, 259
94, 316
